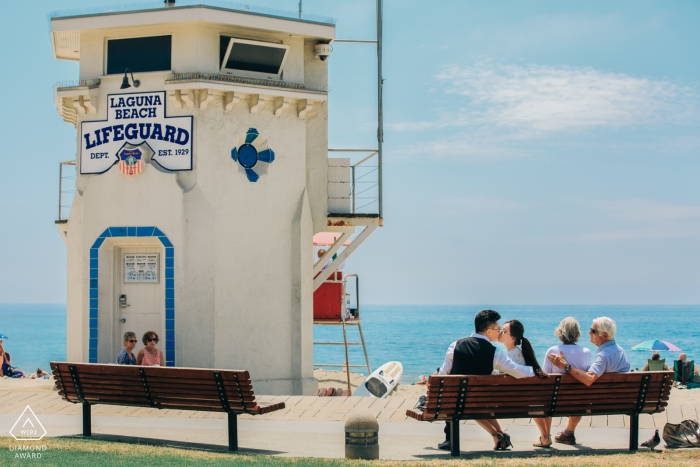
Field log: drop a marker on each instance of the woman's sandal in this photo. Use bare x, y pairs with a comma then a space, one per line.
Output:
506, 441
540, 444
503, 442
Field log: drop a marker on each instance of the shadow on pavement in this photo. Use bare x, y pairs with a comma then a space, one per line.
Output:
577, 451
173, 444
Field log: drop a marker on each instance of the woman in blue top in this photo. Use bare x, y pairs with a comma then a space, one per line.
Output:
126, 356
6, 362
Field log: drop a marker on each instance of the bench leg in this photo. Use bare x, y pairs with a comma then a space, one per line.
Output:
87, 420
232, 432
454, 438
634, 432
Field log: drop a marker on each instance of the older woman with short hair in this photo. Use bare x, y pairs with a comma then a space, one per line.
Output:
579, 357
126, 356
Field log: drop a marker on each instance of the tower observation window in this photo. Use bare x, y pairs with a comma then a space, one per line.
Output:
139, 54
252, 58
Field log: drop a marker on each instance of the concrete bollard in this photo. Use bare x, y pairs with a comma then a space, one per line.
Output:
361, 436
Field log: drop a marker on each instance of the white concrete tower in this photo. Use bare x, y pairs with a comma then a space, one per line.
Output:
202, 175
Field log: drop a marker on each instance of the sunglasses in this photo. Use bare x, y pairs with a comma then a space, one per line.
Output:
133, 341
152, 339
593, 331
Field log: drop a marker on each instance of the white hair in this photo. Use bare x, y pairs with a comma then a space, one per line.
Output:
568, 330
607, 325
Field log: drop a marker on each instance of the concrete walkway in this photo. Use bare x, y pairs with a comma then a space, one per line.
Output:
312, 426
398, 440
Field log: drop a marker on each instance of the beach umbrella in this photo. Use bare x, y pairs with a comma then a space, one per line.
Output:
328, 239
656, 345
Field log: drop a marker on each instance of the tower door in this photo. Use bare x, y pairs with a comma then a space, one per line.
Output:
140, 294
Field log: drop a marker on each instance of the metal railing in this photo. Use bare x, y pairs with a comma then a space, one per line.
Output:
380, 105
219, 4
198, 76
354, 188
79, 83
66, 190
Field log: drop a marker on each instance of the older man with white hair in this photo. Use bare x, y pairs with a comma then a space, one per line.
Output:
610, 358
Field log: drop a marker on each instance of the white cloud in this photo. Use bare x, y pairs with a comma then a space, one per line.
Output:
533, 100
653, 233
649, 210
472, 147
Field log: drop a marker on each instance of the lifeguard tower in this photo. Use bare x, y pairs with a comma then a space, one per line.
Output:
202, 173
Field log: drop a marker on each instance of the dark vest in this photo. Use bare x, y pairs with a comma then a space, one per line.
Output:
473, 356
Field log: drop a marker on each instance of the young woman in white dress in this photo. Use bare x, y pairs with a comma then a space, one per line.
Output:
521, 352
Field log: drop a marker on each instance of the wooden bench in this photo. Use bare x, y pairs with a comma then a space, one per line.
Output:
456, 397
229, 391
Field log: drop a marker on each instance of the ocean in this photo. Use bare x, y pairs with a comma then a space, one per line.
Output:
418, 335
415, 335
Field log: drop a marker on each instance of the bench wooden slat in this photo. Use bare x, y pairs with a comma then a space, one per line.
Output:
209, 393
129, 380
105, 370
499, 380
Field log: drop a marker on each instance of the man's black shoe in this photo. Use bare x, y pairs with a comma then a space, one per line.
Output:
445, 446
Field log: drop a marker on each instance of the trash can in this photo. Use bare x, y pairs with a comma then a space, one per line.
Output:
361, 436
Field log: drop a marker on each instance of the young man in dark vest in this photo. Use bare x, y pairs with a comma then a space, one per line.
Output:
475, 355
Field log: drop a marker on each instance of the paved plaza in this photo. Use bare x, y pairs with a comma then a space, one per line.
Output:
311, 426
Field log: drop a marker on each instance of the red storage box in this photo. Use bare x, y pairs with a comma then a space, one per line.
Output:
328, 299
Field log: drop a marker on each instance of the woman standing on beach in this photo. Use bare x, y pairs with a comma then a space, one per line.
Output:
150, 355
512, 336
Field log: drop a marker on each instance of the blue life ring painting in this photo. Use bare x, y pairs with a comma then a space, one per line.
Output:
253, 155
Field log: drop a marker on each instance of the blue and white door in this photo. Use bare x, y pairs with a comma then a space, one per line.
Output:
140, 297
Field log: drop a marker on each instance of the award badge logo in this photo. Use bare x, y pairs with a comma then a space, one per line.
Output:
132, 158
28, 427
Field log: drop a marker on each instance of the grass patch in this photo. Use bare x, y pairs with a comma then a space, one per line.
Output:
90, 453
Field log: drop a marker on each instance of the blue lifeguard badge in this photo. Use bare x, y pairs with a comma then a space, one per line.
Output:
130, 161
132, 158
253, 155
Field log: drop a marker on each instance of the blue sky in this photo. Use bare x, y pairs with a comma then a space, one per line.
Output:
536, 152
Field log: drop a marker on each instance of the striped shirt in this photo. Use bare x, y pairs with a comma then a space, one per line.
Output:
149, 360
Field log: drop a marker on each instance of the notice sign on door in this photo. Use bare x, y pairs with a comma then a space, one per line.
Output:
136, 120
141, 267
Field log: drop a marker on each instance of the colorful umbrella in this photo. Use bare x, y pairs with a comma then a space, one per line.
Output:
656, 345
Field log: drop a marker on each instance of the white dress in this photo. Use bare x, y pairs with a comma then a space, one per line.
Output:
516, 355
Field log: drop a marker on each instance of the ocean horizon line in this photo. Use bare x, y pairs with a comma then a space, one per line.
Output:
439, 304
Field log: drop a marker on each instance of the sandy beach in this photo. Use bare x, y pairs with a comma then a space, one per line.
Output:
337, 379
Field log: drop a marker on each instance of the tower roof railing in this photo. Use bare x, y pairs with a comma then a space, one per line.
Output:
238, 7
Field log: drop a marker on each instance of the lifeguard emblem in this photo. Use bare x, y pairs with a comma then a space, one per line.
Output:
253, 155
130, 161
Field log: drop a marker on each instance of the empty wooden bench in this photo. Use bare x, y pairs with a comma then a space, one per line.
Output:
454, 398
227, 391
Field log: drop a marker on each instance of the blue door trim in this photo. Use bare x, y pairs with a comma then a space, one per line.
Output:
169, 286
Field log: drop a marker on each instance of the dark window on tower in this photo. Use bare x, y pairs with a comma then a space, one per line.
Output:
250, 56
139, 54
